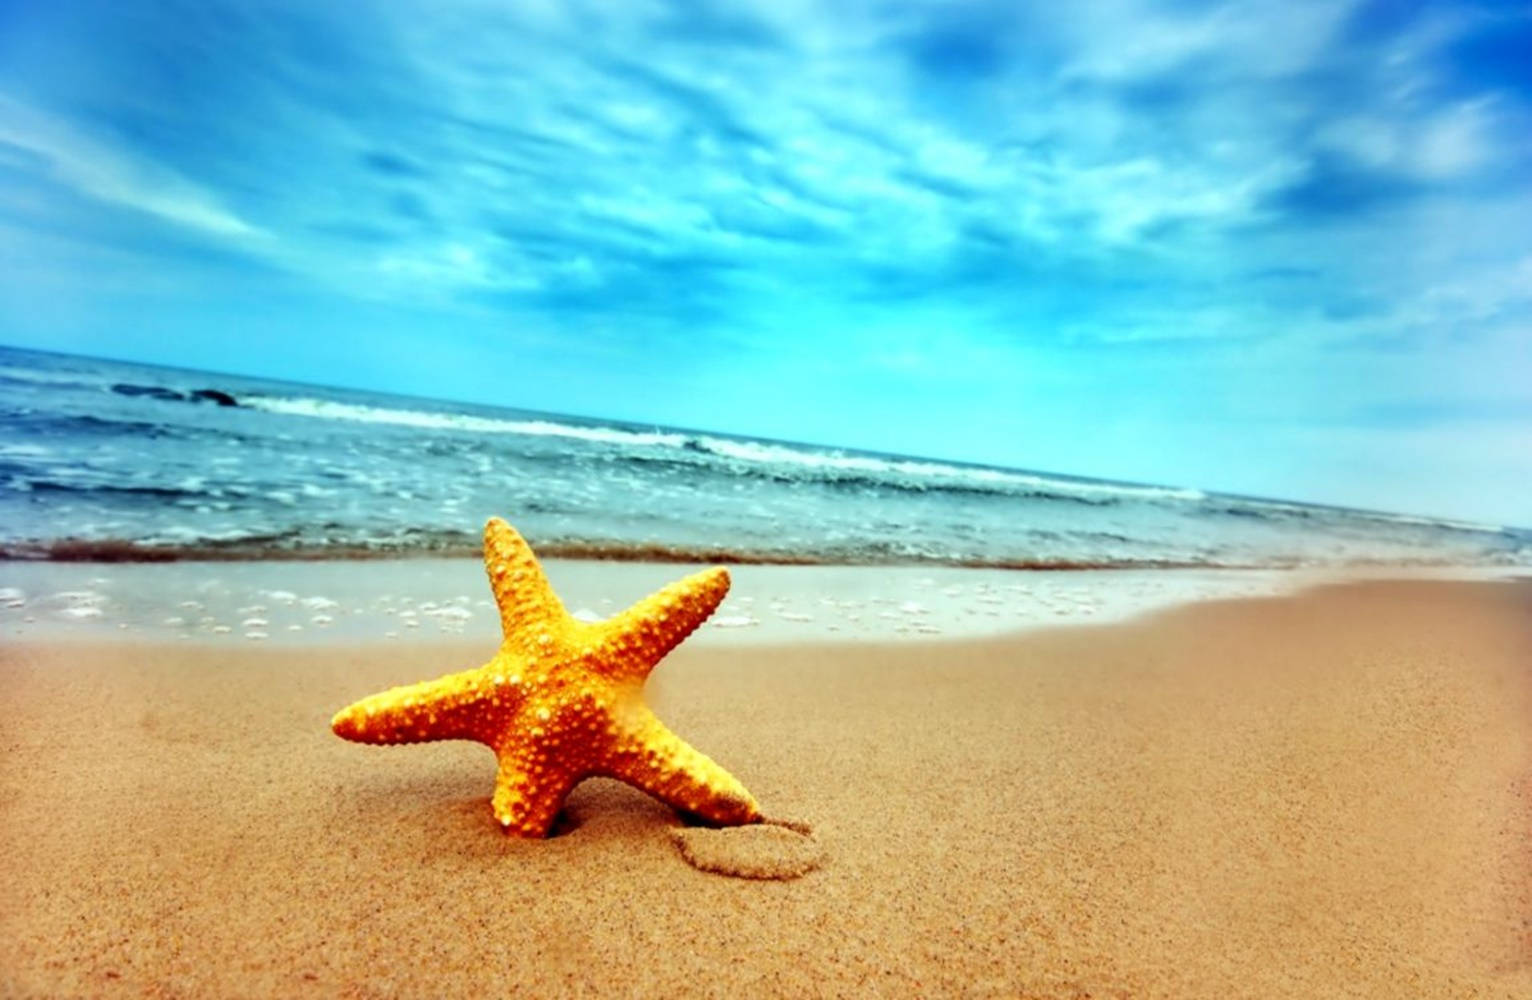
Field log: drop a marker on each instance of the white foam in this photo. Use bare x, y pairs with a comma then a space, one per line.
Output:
1309, 510
1431, 522
933, 472
24, 450
40, 377
330, 410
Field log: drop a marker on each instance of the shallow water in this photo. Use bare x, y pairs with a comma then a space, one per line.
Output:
430, 600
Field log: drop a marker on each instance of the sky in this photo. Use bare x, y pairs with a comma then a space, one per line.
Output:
1275, 248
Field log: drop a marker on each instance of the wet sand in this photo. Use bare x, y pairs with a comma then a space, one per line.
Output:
1322, 795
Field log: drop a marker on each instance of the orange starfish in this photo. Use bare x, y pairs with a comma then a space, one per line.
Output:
562, 699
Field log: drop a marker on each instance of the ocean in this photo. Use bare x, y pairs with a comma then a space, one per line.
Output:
112, 461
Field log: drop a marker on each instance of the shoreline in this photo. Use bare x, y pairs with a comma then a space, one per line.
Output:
338, 602
1316, 794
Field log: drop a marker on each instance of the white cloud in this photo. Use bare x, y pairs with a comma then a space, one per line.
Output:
1477, 295
104, 173
649, 210
1455, 141
1117, 40
1432, 144
1371, 140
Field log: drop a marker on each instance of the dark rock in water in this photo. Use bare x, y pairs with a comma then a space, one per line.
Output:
152, 391
172, 396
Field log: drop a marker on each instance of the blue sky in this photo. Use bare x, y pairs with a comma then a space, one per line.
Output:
1277, 248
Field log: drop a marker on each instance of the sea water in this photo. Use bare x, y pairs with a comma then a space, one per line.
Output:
106, 460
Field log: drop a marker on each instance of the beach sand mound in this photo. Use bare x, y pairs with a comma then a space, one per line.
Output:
772, 849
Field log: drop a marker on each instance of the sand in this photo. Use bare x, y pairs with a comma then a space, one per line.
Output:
1311, 796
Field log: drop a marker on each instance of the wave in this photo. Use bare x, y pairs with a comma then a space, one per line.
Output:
428, 420
741, 456
12, 450
1278, 509
290, 546
869, 556
85, 424
1432, 522
157, 492
928, 473
37, 376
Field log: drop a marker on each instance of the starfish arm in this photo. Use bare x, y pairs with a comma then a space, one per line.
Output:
655, 625
657, 761
459, 706
530, 788
528, 605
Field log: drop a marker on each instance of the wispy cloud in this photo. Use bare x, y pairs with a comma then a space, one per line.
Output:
116, 176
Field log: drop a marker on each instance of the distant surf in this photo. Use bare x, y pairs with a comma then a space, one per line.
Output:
110, 461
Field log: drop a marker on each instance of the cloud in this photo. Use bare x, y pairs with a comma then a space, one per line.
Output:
794, 180
115, 176
1455, 141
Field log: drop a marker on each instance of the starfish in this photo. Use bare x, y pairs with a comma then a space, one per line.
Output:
562, 700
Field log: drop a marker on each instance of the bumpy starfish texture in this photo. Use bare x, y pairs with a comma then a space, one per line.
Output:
562, 699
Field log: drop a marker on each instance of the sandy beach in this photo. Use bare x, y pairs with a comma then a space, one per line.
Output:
1320, 795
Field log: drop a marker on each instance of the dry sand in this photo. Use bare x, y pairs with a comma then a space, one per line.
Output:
1328, 795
